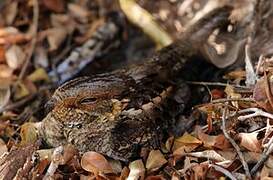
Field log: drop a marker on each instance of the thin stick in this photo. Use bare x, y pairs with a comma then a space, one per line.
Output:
223, 170
214, 84
232, 99
236, 147
256, 112
265, 155
34, 38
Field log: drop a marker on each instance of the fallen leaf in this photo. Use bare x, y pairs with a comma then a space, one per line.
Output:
155, 160
182, 151
115, 165
219, 141
57, 6
10, 12
199, 171
63, 21
5, 71
155, 177
2, 54
24, 88
15, 57
41, 58
250, 141
229, 90
79, 12
124, 173
186, 140
38, 75
208, 154
137, 170
8, 31
96, 163
55, 36
260, 95
217, 94
28, 133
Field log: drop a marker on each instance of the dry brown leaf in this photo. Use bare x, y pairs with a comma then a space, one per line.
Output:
41, 57
28, 133
219, 141
96, 163
116, 166
155, 177
5, 71
250, 141
10, 12
79, 12
229, 90
266, 173
186, 140
5, 31
182, 151
236, 74
45, 154
260, 95
155, 160
199, 171
15, 57
2, 54
208, 154
137, 170
38, 75
253, 157
57, 6
124, 173
55, 36
24, 88
63, 21
14, 39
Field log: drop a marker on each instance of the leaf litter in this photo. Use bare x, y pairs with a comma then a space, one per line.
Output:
231, 135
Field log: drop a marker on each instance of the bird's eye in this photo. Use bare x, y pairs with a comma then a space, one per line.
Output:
78, 126
88, 100
70, 125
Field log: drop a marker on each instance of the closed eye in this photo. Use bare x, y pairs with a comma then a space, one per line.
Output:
89, 100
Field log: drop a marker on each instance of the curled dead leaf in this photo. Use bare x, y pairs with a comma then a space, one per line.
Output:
15, 57
155, 160
186, 140
5, 71
55, 5
250, 141
208, 154
79, 12
260, 95
137, 170
55, 36
96, 163
38, 75
28, 133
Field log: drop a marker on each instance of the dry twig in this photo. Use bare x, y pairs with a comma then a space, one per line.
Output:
236, 147
34, 38
256, 112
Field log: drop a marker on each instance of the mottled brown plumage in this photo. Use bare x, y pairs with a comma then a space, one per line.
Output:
115, 112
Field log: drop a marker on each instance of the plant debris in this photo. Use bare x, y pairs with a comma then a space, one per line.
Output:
228, 124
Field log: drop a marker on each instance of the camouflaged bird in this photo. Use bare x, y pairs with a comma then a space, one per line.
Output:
113, 113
